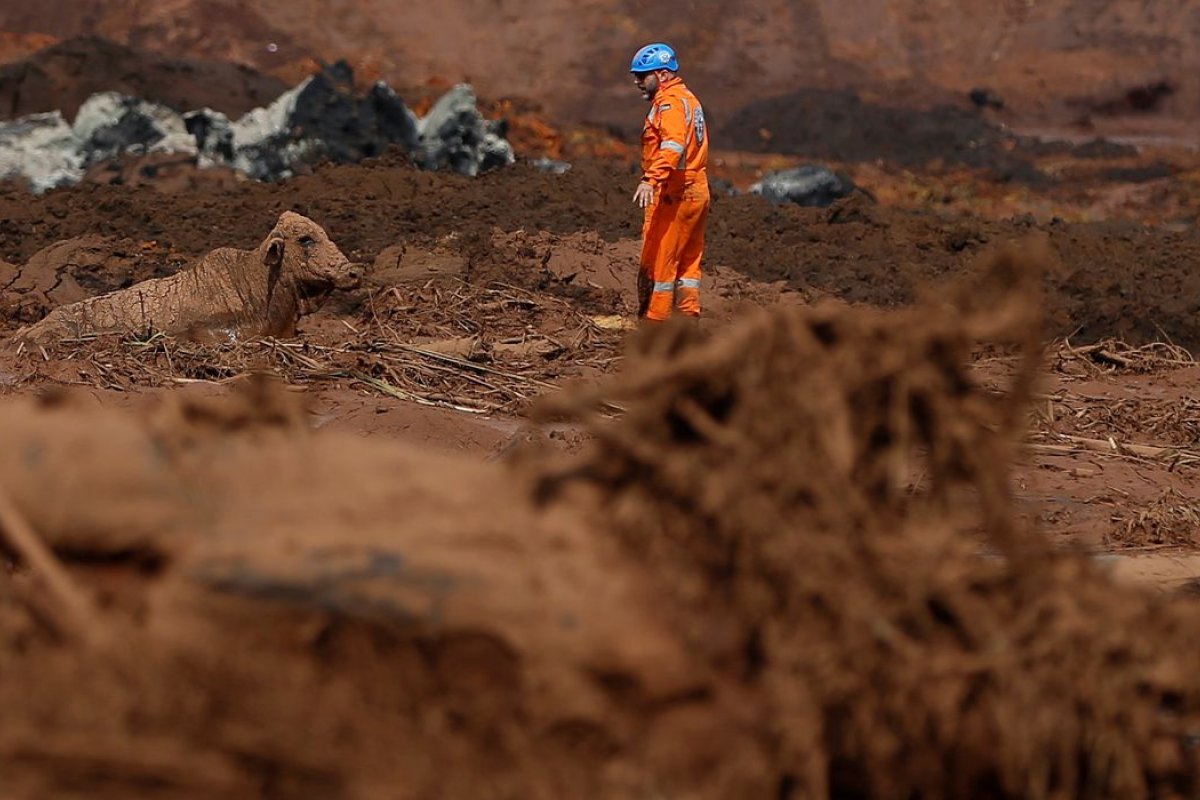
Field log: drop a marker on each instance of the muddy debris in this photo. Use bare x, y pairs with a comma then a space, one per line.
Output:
789, 567
879, 255
768, 477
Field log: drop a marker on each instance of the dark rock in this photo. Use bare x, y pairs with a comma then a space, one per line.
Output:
720, 187
127, 125
986, 98
321, 119
807, 185
454, 135
392, 119
211, 131
1104, 148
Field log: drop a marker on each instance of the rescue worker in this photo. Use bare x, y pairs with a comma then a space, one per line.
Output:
673, 189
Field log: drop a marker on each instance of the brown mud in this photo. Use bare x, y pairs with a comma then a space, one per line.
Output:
1055, 61
1113, 278
913, 514
62, 76
683, 607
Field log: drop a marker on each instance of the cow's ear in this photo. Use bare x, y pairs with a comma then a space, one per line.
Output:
274, 255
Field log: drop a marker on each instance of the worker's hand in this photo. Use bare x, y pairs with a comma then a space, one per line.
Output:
643, 195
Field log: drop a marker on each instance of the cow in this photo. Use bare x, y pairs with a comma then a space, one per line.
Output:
228, 293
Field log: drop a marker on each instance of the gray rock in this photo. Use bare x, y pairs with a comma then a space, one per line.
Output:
213, 134
109, 124
454, 135
394, 120
807, 185
321, 117
42, 149
551, 165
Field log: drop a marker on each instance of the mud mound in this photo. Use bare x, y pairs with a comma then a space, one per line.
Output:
732, 55
163, 172
583, 260
886, 257
837, 125
799, 481
739, 591
368, 206
14, 46
475, 633
875, 255
64, 75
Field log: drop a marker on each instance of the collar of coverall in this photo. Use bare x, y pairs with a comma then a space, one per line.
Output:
667, 84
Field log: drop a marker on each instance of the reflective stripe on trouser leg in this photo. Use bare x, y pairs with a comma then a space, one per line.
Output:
693, 216
687, 296
657, 263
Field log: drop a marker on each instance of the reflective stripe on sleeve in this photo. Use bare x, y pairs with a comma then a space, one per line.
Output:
674, 147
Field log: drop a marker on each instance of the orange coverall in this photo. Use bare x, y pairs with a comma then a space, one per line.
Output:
675, 162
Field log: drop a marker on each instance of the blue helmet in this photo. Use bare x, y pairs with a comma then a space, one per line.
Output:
654, 56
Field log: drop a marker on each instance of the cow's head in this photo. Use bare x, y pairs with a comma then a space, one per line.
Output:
299, 251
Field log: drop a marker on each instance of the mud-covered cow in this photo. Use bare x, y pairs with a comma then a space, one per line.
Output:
228, 292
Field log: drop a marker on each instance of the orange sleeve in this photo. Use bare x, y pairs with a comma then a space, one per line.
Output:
672, 125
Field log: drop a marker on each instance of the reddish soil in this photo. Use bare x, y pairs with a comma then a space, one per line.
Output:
573, 616
62, 76
858, 252
1053, 62
913, 514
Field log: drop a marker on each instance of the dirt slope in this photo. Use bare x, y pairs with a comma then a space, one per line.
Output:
1056, 60
65, 74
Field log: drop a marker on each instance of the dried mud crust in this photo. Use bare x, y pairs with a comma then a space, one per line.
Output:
1113, 279
1114, 441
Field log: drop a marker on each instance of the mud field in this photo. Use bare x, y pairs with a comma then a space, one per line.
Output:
914, 512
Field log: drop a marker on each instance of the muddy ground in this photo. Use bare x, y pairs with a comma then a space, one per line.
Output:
1111, 278
383, 578
390, 551
914, 513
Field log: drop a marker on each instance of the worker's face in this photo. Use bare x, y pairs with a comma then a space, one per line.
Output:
647, 83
